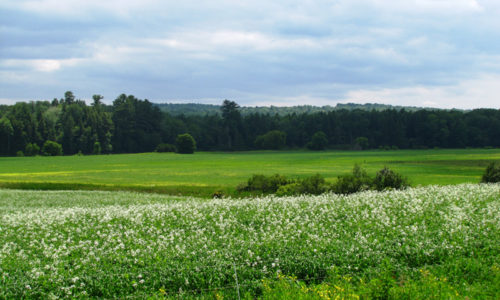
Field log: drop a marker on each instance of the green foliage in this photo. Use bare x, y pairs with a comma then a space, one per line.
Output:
388, 179
185, 144
319, 141
290, 189
352, 183
413, 244
264, 184
51, 148
313, 185
361, 143
492, 173
31, 149
164, 147
97, 148
425, 285
272, 140
19, 153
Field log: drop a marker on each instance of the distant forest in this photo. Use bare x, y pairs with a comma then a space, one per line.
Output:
132, 125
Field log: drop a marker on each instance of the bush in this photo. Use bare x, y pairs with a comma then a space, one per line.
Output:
185, 144
290, 189
163, 147
388, 179
314, 185
97, 148
319, 141
492, 173
51, 148
352, 183
31, 149
361, 143
19, 153
272, 140
263, 183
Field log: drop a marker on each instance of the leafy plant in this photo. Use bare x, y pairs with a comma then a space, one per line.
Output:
492, 173
51, 148
185, 143
31, 149
388, 179
352, 183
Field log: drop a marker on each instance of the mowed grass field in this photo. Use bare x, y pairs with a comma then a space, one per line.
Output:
203, 173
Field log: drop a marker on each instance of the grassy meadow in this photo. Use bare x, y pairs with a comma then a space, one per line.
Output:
203, 173
428, 242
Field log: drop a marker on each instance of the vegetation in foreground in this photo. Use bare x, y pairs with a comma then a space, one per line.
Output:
203, 173
445, 240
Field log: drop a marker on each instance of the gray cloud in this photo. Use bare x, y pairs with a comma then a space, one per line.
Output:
284, 52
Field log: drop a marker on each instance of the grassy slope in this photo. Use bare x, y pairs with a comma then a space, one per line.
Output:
203, 173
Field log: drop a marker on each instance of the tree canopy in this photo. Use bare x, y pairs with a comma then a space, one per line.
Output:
133, 125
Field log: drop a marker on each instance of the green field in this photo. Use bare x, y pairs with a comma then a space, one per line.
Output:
421, 243
203, 173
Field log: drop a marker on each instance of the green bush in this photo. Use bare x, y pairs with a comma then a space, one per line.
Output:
264, 184
272, 140
31, 149
51, 148
313, 185
388, 179
352, 183
163, 147
97, 148
185, 144
492, 173
290, 189
319, 141
19, 153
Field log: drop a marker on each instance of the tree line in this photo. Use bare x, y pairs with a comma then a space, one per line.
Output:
132, 125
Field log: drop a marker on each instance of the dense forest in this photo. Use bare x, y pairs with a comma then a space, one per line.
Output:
132, 125
198, 109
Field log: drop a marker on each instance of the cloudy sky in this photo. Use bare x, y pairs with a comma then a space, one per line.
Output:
438, 53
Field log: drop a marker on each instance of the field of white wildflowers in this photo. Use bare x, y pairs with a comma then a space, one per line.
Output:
119, 244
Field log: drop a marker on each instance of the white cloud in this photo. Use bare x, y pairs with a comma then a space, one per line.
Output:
471, 93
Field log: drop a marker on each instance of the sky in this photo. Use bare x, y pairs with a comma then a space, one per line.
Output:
432, 53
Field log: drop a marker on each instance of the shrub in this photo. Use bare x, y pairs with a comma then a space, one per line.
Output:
263, 183
272, 140
352, 183
31, 149
185, 143
163, 147
290, 189
97, 148
314, 185
319, 141
51, 148
19, 153
361, 143
388, 179
492, 173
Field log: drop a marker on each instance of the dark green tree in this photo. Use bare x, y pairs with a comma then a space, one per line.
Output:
491, 174
51, 148
272, 140
319, 141
6, 133
185, 144
231, 119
